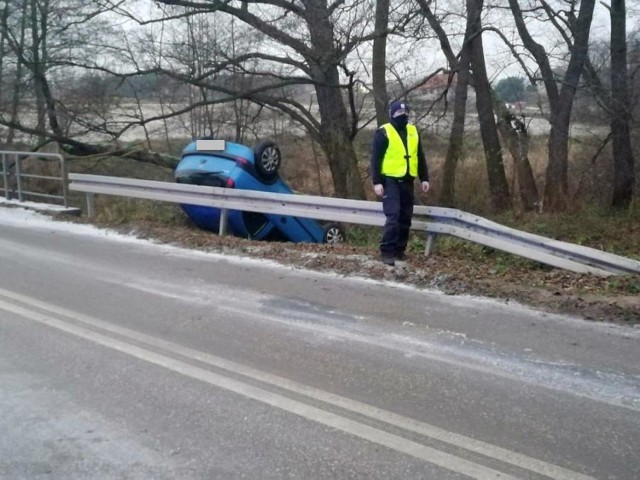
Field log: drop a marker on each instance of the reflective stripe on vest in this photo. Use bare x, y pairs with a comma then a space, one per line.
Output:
394, 163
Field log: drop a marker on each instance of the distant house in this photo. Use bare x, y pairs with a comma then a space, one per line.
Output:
436, 85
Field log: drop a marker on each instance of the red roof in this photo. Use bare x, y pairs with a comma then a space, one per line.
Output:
439, 81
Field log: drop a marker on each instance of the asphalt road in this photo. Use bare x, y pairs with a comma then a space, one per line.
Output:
122, 359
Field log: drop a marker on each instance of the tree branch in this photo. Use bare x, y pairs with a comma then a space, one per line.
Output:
248, 18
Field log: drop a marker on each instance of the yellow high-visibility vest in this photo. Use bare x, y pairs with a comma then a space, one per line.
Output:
394, 163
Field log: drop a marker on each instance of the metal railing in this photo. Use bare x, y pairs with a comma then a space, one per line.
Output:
431, 220
15, 176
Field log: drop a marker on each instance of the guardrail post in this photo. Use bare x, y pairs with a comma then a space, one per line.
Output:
224, 214
65, 181
19, 178
5, 176
91, 205
431, 244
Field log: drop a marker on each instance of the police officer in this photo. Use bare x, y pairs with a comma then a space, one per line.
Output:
397, 159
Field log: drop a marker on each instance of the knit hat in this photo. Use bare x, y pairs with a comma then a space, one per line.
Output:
398, 108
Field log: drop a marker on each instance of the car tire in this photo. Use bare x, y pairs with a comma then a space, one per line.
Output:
333, 234
267, 160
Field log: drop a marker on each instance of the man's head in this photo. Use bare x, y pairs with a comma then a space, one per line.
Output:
398, 113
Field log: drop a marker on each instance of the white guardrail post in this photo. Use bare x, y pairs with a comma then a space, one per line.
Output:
431, 220
224, 218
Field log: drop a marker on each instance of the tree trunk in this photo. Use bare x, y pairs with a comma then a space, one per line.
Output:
561, 102
46, 106
18, 80
498, 187
461, 67
334, 120
623, 162
517, 140
456, 137
379, 62
556, 178
556, 188
336, 142
36, 38
4, 14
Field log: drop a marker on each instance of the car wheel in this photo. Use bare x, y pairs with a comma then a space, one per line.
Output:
333, 234
268, 159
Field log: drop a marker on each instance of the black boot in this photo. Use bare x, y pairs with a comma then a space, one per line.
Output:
387, 260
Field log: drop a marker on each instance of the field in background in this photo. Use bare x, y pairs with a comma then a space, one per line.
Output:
590, 176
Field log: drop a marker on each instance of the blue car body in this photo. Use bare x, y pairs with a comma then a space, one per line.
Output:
235, 167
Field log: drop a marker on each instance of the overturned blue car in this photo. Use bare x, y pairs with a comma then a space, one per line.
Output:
241, 167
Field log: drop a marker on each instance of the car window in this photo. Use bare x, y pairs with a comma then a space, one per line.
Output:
254, 222
209, 179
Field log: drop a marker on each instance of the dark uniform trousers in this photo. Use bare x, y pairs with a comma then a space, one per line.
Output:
397, 205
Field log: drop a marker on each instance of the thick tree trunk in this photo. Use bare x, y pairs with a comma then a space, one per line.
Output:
37, 37
623, 161
379, 62
556, 178
462, 68
561, 102
336, 142
4, 14
456, 137
498, 187
556, 188
335, 131
517, 140
19, 78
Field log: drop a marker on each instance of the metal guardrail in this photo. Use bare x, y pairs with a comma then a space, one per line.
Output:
14, 176
431, 220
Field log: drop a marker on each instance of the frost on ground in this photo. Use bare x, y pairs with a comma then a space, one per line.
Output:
614, 299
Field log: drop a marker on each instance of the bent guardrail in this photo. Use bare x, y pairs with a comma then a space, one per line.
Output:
431, 220
475, 227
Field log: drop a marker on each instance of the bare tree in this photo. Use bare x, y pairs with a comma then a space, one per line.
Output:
498, 187
613, 96
319, 47
4, 13
513, 132
623, 162
560, 98
14, 30
42, 35
460, 70
379, 61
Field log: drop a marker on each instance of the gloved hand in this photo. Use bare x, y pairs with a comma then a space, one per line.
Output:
379, 189
425, 187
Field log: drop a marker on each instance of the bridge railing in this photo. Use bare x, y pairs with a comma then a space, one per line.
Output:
16, 176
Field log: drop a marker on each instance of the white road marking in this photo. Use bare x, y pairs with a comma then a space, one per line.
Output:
392, 441
338, 422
